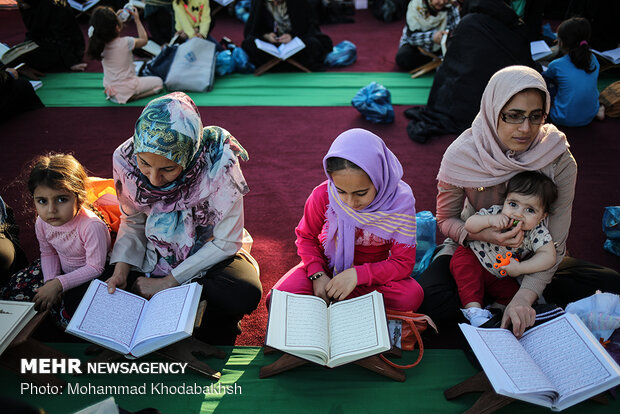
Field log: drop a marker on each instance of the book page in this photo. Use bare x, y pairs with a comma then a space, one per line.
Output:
163, 315
352, 326
267, 47
302, 330
510, 369
114, 317
289, 49
565, 356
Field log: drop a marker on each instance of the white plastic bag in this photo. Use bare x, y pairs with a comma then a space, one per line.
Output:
193, 67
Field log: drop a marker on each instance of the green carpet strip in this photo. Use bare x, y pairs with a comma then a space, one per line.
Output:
279, 89
306, 389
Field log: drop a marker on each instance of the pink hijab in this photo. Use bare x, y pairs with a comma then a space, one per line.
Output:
477, 158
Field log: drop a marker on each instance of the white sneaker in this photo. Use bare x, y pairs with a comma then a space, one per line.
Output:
477, 316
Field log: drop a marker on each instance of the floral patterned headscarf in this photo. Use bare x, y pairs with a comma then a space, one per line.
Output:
182, 214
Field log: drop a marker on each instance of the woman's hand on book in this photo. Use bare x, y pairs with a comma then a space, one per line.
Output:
148, 286
47, 295
271, 37
519, 313
285, 38
119, 277
342, 284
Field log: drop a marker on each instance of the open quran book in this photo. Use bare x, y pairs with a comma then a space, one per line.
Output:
557, 364
304, 326
284, 51
131, 325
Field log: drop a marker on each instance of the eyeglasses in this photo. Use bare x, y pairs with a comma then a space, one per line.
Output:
535, 118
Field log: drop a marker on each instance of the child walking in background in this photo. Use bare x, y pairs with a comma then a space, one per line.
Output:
73, 239
358, 231
574, 77
115, 53
529, 196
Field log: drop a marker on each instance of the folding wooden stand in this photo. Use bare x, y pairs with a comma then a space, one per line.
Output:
373, 363
183, 351
427, 67
270, 64
489, 401
26, 347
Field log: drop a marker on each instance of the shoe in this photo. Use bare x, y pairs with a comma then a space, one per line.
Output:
477, 316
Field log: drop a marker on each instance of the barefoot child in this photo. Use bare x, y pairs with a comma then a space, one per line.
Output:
115, 52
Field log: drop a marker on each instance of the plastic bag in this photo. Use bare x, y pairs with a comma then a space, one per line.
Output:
242, 10
374, 103
242, 61
426, 231
193, 67
611, 228
343, 54
224, 63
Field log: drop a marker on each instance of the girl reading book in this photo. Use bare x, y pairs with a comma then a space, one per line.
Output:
73, 238
358, 231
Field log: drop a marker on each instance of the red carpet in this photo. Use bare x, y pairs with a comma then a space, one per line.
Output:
286, 146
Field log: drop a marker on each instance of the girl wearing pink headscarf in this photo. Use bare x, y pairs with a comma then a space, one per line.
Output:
358, 232
509, 136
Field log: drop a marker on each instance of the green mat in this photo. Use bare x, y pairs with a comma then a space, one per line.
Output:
279, 89
306, 389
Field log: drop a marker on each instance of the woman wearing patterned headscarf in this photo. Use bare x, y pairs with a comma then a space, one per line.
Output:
180, 190
358, 232
509, 136
279, 21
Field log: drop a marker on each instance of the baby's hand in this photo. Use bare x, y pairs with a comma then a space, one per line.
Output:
512, 269
499, 221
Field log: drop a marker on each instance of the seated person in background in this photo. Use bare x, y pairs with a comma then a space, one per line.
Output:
16, 94
279, 21
159, 18
426, 23
358, 231
531, 12
52, 25
573, 78
115, 52
529, 197
180, 189
489, 37
193, 19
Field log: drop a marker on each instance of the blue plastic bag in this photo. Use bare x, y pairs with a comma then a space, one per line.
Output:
374, 103
611, 228
242, 61
343, 54
224, 63
242, 10
426, 230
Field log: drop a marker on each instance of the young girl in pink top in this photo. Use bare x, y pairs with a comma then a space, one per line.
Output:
358, 232
115, 52
73, 239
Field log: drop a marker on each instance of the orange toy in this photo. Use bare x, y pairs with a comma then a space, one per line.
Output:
503, 261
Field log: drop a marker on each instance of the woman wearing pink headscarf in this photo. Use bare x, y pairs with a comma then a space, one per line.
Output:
509, 136
358, 232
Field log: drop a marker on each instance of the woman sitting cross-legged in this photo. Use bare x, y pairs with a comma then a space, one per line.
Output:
180, 190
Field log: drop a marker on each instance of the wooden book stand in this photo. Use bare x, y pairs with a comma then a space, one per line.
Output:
26, 347
373, 363
182, 351
427, 67
489, 401
270, 64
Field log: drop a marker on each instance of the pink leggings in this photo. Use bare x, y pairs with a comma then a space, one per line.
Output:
402, 295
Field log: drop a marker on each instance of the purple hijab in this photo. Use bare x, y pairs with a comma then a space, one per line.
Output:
391, 215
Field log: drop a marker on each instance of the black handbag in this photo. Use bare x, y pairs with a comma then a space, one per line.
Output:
160, 64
